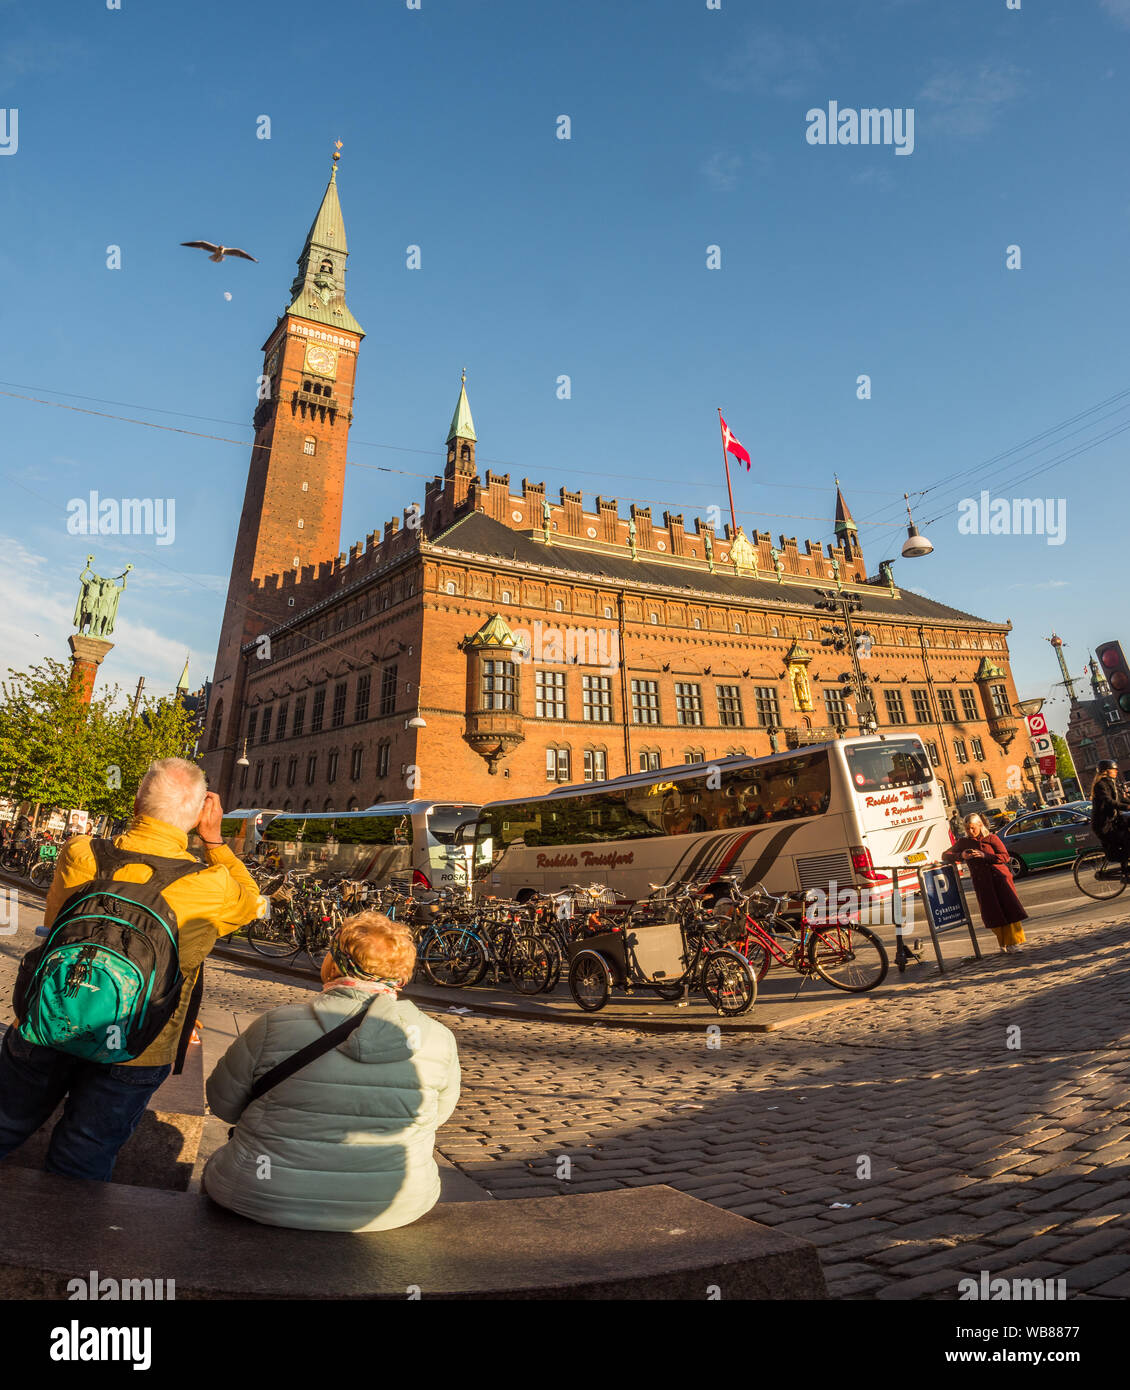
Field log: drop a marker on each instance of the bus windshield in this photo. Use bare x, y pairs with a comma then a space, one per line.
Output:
445, 820
894, 763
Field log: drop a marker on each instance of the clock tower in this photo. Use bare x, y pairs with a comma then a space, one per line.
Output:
291, 519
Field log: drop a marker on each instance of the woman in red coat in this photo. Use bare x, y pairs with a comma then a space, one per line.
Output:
987, 860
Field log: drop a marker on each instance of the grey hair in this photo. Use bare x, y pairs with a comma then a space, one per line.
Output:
172, 791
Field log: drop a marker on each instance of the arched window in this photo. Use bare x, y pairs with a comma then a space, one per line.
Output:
558, 606
309, 444
505, 596
465, 453
449, 587
327, 267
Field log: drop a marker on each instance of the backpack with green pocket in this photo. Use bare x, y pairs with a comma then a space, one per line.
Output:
108, 978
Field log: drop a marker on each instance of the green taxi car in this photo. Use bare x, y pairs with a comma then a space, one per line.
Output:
1043, 839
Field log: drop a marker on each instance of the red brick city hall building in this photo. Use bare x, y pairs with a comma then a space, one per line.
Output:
493, 643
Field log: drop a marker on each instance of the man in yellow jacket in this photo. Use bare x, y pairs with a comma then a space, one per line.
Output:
106, 1102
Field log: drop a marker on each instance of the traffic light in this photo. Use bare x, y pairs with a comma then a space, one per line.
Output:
1113, 661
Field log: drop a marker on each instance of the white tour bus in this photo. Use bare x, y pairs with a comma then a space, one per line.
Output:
242, 831
856, 813
413, 840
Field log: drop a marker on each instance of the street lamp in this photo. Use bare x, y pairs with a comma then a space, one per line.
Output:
915, 546
845, 638
242, 760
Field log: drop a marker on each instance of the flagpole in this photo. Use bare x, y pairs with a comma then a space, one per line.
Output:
726, 463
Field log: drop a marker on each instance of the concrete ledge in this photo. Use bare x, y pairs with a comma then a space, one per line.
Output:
642, 1243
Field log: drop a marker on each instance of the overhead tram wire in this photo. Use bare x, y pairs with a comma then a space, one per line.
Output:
371, 444
384, 468
987, 464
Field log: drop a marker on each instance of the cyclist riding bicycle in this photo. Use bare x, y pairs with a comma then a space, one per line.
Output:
1108, 803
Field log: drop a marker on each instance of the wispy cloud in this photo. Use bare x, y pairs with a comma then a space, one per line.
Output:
721, 171
767, 60
1045, 584
968, 101
1119, 10
874, 178
37, 617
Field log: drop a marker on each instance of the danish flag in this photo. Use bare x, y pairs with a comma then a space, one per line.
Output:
732, 444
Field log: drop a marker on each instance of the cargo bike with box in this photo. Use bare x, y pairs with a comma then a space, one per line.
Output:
671, 959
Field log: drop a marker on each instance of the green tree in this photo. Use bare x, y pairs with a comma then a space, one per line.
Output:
55, 751
1064, 767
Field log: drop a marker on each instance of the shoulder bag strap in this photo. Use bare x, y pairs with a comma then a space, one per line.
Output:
326, 1043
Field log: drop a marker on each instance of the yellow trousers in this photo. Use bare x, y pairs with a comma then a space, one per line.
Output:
1012, 935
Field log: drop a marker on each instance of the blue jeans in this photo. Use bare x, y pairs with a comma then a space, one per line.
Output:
104, 1105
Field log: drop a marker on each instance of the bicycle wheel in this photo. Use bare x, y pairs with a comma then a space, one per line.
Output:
728, 982
453, 957
273, 936
529, 964
849, 958
590, 981
1098, 876
42, 872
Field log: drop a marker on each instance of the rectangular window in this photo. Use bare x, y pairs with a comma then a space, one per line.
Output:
729, 706
500, 685
388, 690
265, 730
596, 699
311, 768
299, 716
945, 794
243, 777
649, 762
252, 725
595, 765
999, 696
932, 749
339, 706
688, 702
557, 764
645, 703
258, 774
947, 706
280, 727
692, 757
986, 787
768, 710
968, 790
550, 695
274, 772
896, 710
836, 706
317, 714
978, 749
382, 760
959, 750
968, 704
331, 766
355, 764
292, 772
921, 702
361, 703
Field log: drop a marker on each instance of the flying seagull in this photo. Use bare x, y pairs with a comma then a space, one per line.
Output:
219, 252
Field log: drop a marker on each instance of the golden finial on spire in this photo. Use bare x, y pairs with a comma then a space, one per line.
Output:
336, 157
464, 376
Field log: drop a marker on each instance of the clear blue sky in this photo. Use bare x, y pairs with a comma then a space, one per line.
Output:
585, 257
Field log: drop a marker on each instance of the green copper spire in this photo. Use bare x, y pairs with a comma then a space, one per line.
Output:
462, 426
318, 291
845, 525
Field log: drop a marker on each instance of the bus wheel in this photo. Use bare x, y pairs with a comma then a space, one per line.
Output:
728, 982
850, 958
529, 964
590, 981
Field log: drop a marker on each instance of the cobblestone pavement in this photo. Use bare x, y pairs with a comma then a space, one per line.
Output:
979, 1121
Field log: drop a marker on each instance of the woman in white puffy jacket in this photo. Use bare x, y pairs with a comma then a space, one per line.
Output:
347, 1142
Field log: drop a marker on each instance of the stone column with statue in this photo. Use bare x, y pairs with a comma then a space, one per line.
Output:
96, 611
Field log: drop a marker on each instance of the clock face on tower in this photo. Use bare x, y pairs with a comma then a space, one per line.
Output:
321, 360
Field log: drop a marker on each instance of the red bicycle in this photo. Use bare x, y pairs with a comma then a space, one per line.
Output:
764, 929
